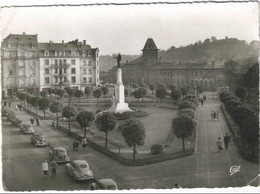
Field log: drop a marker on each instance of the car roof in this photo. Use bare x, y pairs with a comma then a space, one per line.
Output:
107, 181
79, 162
59, 148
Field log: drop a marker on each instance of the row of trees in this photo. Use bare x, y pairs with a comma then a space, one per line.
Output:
184, 124
245, 118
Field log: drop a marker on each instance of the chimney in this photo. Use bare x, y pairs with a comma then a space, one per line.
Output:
23, 33
84, 42
50, 43
62, 41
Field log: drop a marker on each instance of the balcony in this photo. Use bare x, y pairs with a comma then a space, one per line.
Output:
63, 65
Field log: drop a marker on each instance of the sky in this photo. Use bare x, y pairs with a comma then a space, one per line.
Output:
125, 29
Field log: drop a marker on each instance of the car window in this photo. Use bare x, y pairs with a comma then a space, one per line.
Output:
83, 166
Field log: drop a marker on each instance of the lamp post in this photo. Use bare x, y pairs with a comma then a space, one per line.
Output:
68, 105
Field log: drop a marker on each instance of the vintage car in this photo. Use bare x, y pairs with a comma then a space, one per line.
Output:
104, 184
11, 115
26, 129
38, 139
59, 154
79, 170
17, 122
4, 112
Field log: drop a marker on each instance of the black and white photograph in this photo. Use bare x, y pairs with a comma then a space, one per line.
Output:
148, 96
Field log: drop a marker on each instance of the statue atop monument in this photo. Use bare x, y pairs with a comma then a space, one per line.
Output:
118, 58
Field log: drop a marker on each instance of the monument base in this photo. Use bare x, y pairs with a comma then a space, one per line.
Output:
120, 108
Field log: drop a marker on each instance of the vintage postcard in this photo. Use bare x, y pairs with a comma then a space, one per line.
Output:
131, 96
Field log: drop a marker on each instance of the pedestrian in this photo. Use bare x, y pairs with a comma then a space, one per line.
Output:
212, 114
5, 104
201, 100
16, 107
32, 120
75, 145
177, 186
226, 140
9, 104
37, 121
84, 143
217, 114
219, 144
45, 168
54, 167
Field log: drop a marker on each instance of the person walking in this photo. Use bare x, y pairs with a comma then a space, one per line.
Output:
16, 107
45, 168
84, 143
54, 167
37, 121
219, 144
217, 115
226, 140
32, 120
5, 104
9, 104
177, 186
201, 100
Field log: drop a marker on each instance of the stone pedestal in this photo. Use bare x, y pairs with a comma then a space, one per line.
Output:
118, 100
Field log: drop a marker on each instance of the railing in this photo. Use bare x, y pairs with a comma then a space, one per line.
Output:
63, 65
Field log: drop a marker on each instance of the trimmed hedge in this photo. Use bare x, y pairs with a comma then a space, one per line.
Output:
156, 149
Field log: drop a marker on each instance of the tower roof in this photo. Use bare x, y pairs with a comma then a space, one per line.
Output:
150, 45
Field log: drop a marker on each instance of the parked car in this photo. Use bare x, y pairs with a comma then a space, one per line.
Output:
38, 139
17, 122
59, 154
79, 170
11, 115
104, 184
4, 112
26, 129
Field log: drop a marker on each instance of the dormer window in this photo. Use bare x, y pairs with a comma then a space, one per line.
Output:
151, 46
89, 54
46, 53
56, 53
60, 53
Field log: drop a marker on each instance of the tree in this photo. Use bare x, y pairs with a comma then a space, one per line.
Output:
187, 112
34, 102
29, 100
183, 127
21, 95
206, 41
87, 91
161, 93
152, 87
143, 92
106, 122
186, 104
69, 111
56, 107
97, 94
184, 90
69, 91
172, 87
241, 113
213, 38
85, 120
60, 92
199, 89
249, 79
138, 94
79, 94
135, 86
176, 94
126, 91
134, 134
43, 104
241, 93
44, 93
231, 76
161, 85
250, 132
104, 90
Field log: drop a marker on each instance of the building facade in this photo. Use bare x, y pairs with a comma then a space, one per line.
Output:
149, 69
20, 63
32, 66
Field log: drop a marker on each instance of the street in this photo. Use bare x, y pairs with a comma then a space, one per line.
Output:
205, 168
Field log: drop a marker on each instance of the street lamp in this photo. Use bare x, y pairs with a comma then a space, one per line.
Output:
68, 104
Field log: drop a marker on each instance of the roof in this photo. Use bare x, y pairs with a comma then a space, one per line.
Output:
150, 45
180, 65
28, 42
58, 46
59, 148
80, 162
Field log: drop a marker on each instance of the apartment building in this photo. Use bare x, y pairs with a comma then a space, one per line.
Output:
19, 64
32, 66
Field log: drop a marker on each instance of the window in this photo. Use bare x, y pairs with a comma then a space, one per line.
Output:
89, 63
84, 80
33, 81
84, 71
56, 61
201, 73
47, 71
21, 72
73, 79
9, 45
56, 70
21, 82
56, 80
56, 54
72, 53
73, 70
10, 72
90, 79
84, 63
61, 53
73, 61
65, 70
90, 71
47, 80
89, 54
177, 72
46, 53
97, 71
97, 63
46, 61
97, 55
